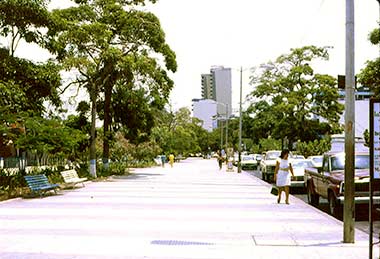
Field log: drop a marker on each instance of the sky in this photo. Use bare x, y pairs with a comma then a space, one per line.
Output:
247, 33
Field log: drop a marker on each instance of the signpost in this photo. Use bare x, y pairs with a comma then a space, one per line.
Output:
374, 135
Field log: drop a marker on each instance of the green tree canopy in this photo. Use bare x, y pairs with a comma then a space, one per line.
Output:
109, 43
369, 76
296, 102
24, 85
178, 133
23, 20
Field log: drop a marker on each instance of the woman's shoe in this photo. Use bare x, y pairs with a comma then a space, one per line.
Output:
287, 202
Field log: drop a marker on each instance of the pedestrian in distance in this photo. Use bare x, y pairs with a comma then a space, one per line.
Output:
282, 176
171, 160
219, 157
163, 158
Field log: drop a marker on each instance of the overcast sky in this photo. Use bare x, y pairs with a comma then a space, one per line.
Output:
250, 32
247, 33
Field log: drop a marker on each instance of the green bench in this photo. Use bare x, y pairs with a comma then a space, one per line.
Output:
39, 184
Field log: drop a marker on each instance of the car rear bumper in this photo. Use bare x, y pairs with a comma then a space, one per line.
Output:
297, 184
361, 200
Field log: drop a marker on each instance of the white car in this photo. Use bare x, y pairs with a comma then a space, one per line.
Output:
299, 166
248, 162
268, 164
316, 160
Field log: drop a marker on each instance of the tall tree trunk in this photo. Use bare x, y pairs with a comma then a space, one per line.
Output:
107, 124
93, 132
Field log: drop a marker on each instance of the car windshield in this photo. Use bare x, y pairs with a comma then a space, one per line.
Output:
317, 159
272, 155
245, 158
361, 162
303, 164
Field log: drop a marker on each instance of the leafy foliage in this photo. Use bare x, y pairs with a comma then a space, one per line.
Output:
23, 19
178, 133
369, 76
110, 43
48, 136
291, 97
36, 82
374, 36
316, 147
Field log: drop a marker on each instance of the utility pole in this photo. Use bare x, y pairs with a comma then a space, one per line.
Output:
379, 27
227, 117
240, 119
349, 185
221, 135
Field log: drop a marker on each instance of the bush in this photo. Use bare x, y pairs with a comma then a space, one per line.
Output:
114, 168
316, 147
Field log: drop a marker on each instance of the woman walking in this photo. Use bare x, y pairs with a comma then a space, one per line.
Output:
282, 175
220, 159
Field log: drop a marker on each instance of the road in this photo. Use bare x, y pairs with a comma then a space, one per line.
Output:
361, 220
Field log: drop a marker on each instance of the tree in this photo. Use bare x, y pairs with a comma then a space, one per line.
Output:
26, 20
109, 42
294, 98
38, 82
178, 133
49, 136
369, 76
24, 85
23, 20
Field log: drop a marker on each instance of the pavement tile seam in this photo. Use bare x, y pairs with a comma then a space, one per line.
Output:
234, 238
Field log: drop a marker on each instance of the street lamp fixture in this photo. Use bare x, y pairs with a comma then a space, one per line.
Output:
221, 128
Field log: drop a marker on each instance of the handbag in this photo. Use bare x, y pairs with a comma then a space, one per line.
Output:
274, 190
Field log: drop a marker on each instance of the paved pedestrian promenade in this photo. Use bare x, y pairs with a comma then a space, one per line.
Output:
192, 210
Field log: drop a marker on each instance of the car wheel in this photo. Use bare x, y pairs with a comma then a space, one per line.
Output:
312, 198
334, 208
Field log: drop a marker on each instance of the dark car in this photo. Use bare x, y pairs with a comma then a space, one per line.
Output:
328, 182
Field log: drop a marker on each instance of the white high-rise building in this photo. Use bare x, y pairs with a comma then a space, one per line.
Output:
217, 86
206, 111
223, 89
216, 102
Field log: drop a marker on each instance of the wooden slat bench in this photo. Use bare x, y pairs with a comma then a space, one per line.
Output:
40, 184
71, 178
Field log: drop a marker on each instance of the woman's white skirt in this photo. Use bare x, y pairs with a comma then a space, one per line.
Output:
283, 178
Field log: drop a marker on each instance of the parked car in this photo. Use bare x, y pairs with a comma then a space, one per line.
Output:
248, 162
258, 158
268, 163
299, 166
298, 157
328, 181
316, 160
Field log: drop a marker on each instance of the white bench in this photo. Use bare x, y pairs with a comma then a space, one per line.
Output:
71, 178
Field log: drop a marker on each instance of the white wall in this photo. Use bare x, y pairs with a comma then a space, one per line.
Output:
205, 110
361, 116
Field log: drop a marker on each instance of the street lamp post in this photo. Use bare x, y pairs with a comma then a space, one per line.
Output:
227, 117
240, 119
221, 135
221, 126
